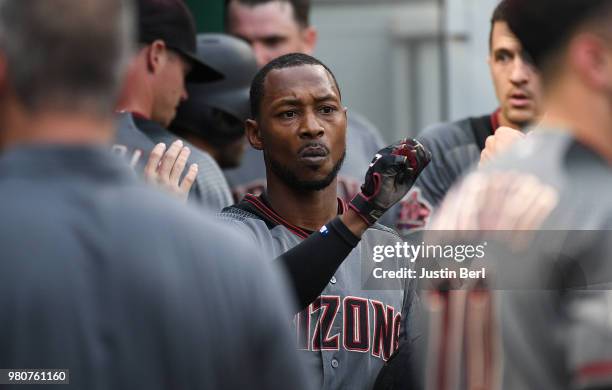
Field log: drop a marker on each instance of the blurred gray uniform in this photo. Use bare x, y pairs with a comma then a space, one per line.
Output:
115, 282
363, 141
348, 333
455, 148
210, 189
558, 335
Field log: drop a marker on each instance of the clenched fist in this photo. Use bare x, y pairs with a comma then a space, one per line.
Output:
391, 174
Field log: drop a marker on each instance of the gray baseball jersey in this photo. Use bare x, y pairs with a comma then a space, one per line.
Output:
126, 287
363, 141
348, 333
551, 337
455, 148
210, 188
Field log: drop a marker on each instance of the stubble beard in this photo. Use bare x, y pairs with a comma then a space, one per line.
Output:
290, 179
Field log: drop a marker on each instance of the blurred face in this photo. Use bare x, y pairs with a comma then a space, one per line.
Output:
301, 128
169, 87
270, 29
517, 84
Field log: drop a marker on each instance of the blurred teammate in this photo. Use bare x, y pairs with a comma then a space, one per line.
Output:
155, 87
212, 119
299, 123
99, 275
457, 146
274, 28
558, 335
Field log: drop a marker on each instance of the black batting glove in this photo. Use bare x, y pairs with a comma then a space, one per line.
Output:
391, 175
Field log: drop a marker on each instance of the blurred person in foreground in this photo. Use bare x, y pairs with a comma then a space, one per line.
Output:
154, 88
90, 278
553, 188
274, 28
213, 117
458, 146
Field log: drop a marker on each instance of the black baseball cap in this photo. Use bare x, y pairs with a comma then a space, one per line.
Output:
171, 22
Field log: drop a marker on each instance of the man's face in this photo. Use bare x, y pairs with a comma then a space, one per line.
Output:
170, 88
517, 84
270, 29
302, 127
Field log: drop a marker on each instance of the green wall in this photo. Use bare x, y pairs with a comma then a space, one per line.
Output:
208, 14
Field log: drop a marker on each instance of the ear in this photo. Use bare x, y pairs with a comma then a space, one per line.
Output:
156, 56
253, 134
590, 57
309, 37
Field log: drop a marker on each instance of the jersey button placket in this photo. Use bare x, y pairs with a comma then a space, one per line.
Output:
335, 363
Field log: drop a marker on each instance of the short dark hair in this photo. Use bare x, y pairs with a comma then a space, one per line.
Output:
545, 26
499, 15
301, 8
291, 60
72, 60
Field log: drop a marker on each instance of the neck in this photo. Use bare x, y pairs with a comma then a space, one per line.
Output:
21, 128
586, 115
136, 95
309, 210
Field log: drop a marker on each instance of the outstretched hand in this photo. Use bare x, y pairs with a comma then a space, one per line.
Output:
165, 168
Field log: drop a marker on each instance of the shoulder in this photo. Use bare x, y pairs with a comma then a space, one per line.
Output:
238, 212
451, 133
246, 219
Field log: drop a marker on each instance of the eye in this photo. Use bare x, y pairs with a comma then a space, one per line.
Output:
273, 41
503, 57
287, 115
327, 109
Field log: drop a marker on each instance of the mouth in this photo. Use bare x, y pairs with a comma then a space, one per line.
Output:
519, 100
313, 154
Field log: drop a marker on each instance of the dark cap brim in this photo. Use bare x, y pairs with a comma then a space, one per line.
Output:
200, 72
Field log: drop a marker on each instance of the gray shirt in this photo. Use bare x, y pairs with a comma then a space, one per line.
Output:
126, 287
455, 148
210, 188
557, 333
356, 324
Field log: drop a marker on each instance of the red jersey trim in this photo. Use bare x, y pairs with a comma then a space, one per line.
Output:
596, 369
261, 206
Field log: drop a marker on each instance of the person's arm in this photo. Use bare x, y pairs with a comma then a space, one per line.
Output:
311, 264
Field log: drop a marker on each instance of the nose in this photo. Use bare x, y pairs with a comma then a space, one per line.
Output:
520, 71
310, 127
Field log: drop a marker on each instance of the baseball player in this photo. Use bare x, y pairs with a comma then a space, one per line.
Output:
213, 117
155, 87
274, 28
120, 285
558, 335
457, 146
299, 124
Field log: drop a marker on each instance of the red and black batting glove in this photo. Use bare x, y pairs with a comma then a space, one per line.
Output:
389, 178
